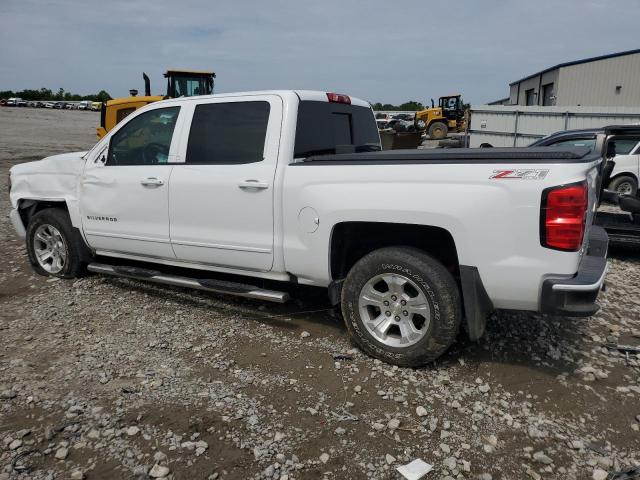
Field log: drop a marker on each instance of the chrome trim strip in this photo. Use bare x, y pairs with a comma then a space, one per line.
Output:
221, 247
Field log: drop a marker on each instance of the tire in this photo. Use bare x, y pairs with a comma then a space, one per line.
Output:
438, 131
65, 242
624, 185
427, 281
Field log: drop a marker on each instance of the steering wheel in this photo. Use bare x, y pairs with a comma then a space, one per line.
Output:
150, 153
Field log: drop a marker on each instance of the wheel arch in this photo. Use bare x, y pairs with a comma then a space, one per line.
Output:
350, 241
624, 173
27, 208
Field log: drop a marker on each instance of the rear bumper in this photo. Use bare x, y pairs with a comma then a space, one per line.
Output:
14, 215
576, 296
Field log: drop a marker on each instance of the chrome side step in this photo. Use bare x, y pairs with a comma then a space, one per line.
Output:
206, 284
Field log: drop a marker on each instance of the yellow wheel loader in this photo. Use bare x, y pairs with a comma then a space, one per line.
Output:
448, 116
180, 83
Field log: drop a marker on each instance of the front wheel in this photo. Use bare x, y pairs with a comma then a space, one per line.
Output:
438, 130
53, 246
402, 306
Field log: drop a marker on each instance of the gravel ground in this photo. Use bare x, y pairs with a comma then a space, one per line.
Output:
110, 378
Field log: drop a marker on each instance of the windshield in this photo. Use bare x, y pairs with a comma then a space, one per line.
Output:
185, 86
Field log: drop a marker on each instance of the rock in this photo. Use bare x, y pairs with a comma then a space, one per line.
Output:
93, 434
421, 411
540, 457
450, 463
159, 471
16, 444
445, 448
599, 474
7, 395
393, 424
484, 388
576, 444
305, 334
278, 437
324, 458
159, 457
131, 431
357, 389
23, 433
485, 476
77, 475
253, 420
378, 426
389, 459
340, 431
62, 453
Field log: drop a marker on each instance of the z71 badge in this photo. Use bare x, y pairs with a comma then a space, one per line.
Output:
524, 174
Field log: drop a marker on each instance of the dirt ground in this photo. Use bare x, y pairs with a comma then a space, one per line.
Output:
105, 378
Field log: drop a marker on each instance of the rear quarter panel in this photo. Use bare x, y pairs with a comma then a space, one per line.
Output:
494, 222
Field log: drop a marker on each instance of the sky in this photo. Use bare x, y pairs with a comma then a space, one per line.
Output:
388, 51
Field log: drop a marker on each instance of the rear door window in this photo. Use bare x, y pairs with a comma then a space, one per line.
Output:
325, 128
228, 133
625, 146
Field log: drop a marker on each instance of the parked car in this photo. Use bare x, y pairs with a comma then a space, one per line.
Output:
395, 237
623, 227
96, 106
16, 102
625, 175
49, 104
84, 105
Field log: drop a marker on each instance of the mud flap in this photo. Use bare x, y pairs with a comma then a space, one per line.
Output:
476, 302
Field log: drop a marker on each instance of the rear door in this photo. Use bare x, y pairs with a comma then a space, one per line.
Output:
221, 197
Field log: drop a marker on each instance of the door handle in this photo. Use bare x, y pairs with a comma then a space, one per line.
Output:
253, 184
151, 182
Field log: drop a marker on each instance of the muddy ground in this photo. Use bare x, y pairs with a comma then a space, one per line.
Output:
108, 378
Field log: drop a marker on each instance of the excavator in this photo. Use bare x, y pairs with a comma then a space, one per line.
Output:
438, 121
180, 83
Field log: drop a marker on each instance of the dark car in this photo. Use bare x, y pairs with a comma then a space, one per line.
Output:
626, 173
622, 228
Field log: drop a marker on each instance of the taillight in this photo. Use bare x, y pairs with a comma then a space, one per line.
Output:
339, 98
563, 216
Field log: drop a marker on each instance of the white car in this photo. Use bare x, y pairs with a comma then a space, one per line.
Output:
289, 187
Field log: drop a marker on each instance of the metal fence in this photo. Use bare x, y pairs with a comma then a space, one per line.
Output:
518, 126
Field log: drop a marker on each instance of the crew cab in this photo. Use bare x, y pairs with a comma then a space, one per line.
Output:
281, 187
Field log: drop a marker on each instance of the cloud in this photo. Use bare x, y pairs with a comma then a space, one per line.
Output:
378, 50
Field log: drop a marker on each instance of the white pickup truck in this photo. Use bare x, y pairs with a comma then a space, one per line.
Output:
289, 186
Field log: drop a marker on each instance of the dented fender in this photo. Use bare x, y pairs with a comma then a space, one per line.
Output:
52, 179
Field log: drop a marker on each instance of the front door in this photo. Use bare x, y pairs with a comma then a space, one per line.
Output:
221, 209
124, 191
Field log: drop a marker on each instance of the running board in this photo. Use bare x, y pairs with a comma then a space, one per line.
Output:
206, 284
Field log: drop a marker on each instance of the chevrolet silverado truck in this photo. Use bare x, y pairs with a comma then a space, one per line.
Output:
277, 187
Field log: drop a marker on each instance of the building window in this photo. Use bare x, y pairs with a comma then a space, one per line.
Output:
547, 95
530, 96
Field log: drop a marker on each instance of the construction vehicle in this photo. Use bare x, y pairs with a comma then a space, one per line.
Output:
448, 116
180, 83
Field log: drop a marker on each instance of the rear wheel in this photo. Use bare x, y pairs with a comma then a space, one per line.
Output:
624, 185
54, 248
438, 130
402, 306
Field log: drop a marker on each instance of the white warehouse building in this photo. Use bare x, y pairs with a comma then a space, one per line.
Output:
606, 81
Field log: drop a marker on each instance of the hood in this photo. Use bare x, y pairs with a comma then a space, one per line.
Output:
65, 163
52, 178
